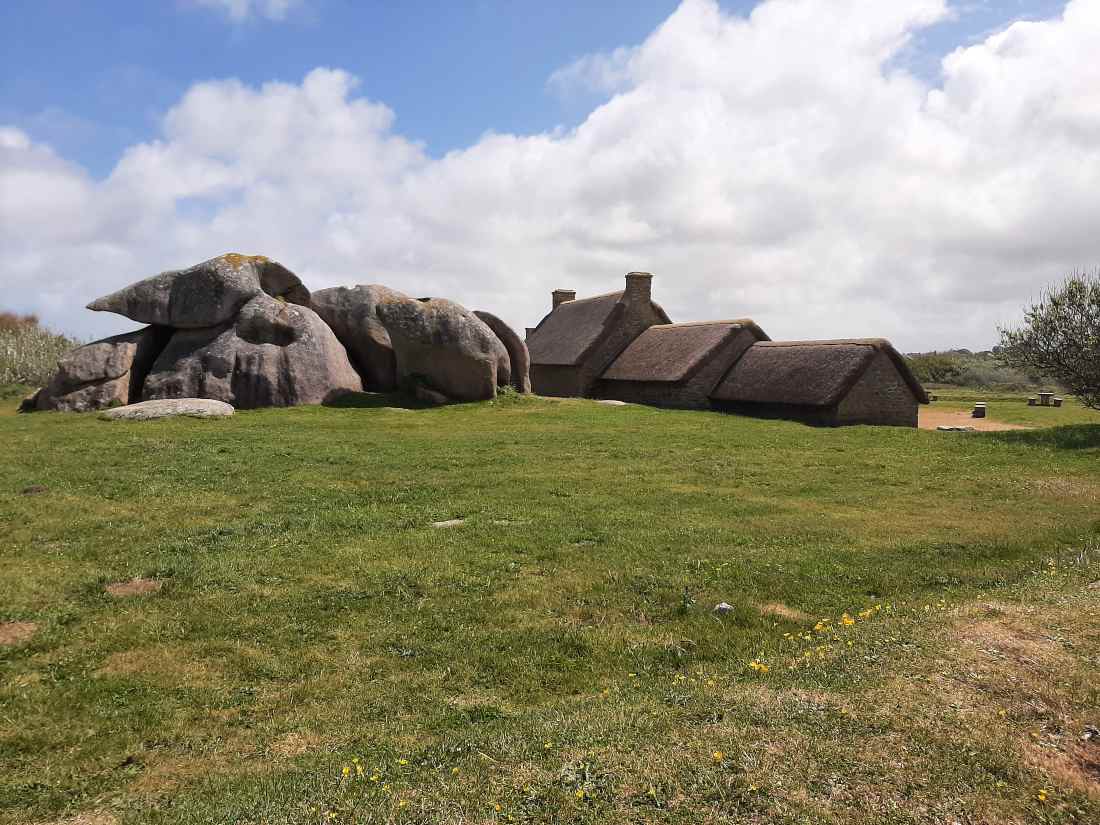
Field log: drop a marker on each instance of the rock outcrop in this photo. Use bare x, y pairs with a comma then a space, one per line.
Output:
104, 373
518, 357
351, 313
273, 354
206, 294
243, 330
440, 343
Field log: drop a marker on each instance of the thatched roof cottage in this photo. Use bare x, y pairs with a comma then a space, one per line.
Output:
859, 381
622, 346
678, 365
573, 345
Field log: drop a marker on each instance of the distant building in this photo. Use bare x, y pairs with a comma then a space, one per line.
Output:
573, 345
860, 381
678, 365
622, 346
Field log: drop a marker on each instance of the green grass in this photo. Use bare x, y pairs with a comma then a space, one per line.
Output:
556, 655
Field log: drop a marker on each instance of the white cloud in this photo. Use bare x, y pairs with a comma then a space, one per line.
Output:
602, 73
241, 10
778, 166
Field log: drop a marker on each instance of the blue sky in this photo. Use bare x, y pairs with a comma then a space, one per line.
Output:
91, 78
912, 169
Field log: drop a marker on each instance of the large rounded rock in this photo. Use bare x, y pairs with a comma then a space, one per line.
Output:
169, 408
206, 294
518, 356
103, 373
441, 343
273, 355
350, 312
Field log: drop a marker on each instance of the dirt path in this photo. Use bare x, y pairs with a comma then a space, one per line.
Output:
929, 418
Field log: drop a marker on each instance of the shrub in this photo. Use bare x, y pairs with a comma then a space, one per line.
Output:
10, 321
934, 368
28, 352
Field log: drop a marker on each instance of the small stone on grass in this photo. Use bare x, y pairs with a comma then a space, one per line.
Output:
34, 489
611, 402
723, 607
455, 522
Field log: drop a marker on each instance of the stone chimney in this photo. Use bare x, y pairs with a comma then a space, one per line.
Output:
638, 286
560, 296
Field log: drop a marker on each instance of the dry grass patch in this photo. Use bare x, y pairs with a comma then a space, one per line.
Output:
1011, 674
15, 633
1063, 487
88, 818
170, 770
297, 743
164, 666
782, 611
137, 586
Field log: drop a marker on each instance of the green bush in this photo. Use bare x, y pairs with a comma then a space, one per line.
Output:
977, 370
29, 352
935, 368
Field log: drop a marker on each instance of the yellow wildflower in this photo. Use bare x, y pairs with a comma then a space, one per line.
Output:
1042, 795
718, 756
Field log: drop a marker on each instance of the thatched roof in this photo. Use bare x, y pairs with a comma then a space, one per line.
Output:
674, 352
573, 328
807, 373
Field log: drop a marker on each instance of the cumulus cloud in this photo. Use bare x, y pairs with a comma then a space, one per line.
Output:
241, 10
779, 165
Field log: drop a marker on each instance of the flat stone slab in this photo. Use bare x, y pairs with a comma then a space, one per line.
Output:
611, 402
454, 522
951, 429
168, 407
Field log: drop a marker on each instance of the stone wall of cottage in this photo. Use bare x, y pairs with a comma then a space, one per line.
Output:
880, 396
556, 381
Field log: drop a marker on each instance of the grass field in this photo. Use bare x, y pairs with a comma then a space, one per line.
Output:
914, 634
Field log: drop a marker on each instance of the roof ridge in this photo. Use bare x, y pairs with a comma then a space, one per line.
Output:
730, 321
591, 298
832, 342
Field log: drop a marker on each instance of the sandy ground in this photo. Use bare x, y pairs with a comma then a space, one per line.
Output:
929, 418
